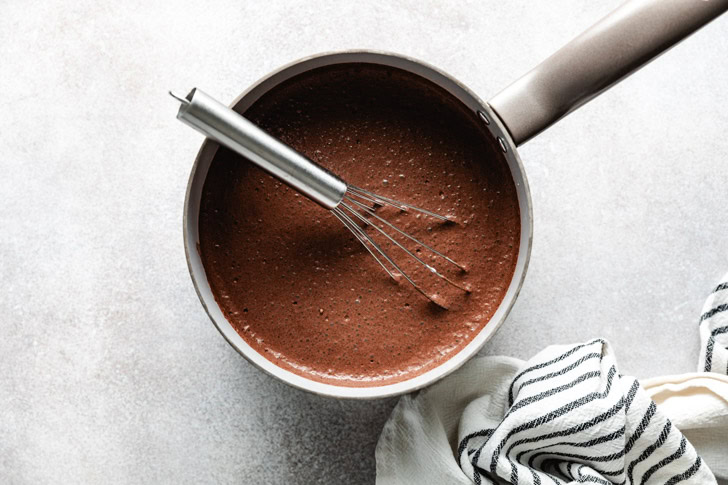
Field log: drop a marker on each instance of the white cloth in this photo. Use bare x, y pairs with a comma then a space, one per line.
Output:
697, 404
565, 416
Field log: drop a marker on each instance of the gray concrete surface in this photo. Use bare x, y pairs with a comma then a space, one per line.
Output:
110, 372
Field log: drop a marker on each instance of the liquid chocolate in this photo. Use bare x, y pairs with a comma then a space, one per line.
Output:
300, 288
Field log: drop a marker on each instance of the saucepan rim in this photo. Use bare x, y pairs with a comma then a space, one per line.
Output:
464, 95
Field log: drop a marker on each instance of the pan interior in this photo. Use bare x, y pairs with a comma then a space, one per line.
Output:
299, 289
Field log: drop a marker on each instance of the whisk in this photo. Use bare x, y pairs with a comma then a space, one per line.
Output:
353, 206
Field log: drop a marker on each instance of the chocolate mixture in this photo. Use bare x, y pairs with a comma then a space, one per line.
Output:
299, 287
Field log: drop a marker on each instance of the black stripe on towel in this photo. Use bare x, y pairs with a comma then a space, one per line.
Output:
536, 479
645, 454
522, 403
570, 367
545, 394
709, 354
593, 479
644, 423
583, 478
665, 461
571, 406
580, 427
630, 395
547, 418
710, 346
546, 364
626, 403
585, 444
686, 474
649, 450
651, 410
464, 441
710, 313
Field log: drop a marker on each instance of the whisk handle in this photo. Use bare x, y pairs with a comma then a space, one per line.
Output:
222, 124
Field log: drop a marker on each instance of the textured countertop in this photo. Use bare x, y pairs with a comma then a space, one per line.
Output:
110, 371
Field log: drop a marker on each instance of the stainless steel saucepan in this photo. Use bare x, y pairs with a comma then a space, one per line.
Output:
618, 45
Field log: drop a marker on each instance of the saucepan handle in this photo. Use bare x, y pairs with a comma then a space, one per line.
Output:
612, 49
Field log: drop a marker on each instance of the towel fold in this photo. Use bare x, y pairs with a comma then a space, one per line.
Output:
566, 416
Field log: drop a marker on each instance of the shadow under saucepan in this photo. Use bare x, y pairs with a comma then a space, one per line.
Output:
315, 439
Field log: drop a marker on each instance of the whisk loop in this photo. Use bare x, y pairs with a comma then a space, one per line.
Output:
347, 209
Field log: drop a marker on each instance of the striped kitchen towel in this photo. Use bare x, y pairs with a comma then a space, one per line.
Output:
714, 332
566, 416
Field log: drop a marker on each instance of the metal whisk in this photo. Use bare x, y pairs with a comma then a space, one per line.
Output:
351, 205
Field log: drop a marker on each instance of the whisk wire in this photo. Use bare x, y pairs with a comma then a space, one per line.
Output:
402, 247
376, 202
396, 203
369, 211
362, 236
372, 197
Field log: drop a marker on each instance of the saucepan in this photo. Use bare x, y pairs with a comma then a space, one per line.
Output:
625, 40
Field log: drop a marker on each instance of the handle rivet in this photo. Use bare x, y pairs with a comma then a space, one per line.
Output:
483, 117
503, 145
